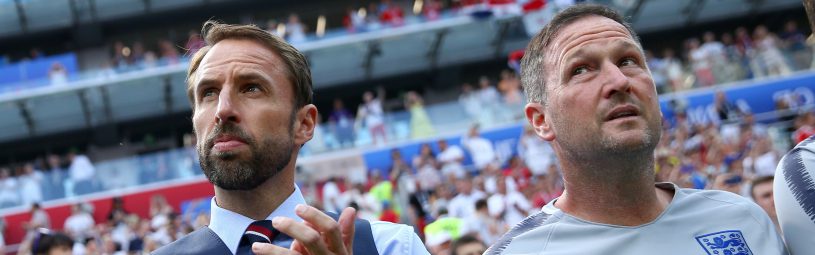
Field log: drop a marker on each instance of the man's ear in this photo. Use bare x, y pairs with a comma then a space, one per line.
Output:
536, 116
305, 122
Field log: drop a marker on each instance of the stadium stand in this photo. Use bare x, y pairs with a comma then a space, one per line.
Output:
99, 135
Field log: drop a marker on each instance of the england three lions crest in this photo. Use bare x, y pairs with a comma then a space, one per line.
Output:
729, 242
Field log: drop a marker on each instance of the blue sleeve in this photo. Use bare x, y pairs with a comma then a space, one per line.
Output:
396, 239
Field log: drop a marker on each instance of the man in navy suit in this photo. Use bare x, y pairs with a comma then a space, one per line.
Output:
251, 97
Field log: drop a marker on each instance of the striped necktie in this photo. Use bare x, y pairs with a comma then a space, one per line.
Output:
259, 231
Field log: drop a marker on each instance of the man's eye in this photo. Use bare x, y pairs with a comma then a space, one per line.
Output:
628, 62
580, 70
208, 93
252, 88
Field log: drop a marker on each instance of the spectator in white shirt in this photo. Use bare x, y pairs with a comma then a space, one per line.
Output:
481, 149
30, 184
8, 189
450, 158
536, 153
331, 196
80, 224
512, 206
463, 204
82, 172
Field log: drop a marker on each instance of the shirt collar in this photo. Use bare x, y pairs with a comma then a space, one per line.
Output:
229, 225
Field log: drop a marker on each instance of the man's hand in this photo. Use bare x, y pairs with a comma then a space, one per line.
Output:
317, 234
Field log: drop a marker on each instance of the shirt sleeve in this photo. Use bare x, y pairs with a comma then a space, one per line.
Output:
396, 239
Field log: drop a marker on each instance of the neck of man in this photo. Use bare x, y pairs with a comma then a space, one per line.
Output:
612, 189
261, 201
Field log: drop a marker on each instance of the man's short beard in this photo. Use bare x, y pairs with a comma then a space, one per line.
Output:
225, 170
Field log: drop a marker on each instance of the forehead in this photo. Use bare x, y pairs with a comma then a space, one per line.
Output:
238, 55
586, 30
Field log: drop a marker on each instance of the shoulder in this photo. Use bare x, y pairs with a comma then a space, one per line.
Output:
391, 238
723, 202
201, 241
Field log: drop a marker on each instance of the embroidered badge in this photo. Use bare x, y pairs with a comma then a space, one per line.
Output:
729, 242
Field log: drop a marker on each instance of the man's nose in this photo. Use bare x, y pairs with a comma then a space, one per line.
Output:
227, 110
614, 81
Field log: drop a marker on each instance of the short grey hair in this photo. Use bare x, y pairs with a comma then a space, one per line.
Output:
533, 63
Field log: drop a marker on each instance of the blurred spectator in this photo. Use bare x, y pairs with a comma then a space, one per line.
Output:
354, 20
331, 196
673, 70
762, 159
467, 245
341, 123
450, 157
30, 184
391, 14
388, 214
545, 190
54, 179
463, 204
169, 54
725, 111
507, 204
403, 179
273, 27
488, 98
57, 74
657, 68
160, 211
746, 47
536, 153
714, 51
427, 176
9, 195
701, 63
487, 228
481, 149
793, 42
732, 70
440, 233
295, 30
761, 190
194, 42
510, 89
117, 212
39, 219
767, 47
82, 174
80, 224
468, 99
432, 9
374, 117
121, 56
420, 125
137, 53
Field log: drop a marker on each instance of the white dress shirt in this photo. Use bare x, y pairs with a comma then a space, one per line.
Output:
389, 238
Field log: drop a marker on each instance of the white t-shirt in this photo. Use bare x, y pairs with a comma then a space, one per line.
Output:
537, 154
463, 205
695, 222
506, 204
79, 224
373, 113
331, 197
481, 151
453, 153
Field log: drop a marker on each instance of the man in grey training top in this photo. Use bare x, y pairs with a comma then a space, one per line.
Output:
592, 97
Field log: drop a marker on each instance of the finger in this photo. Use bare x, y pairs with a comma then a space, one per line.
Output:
307, 236
327, 226
347, 229
270, 249
297, 247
